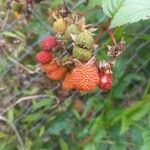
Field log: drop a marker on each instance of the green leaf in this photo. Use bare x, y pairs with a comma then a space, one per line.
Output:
59, 125
137, 109
146, 138
41, 103
55, 3
34, 117
125, 124
94, 3
20, 34
124, 83
94, 102
142, 36
63, 144
118, 146
136, 137
28, 144
101, 133
131, 11
41, 132
10, 34
11, 115
77, 114
90, 146
119, 68
111, 7
96, 125
141, 112
104, 146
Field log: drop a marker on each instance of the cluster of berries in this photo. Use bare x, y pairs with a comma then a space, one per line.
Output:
50, 64
76, 67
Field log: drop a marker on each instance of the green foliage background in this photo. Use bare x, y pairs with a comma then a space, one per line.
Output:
117, 120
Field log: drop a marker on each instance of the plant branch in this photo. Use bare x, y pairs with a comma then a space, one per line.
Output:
27, 98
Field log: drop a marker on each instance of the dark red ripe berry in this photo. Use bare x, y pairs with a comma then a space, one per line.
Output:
44, 57
106, 79
48, 43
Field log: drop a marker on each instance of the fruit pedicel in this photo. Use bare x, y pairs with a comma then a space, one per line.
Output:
69, 54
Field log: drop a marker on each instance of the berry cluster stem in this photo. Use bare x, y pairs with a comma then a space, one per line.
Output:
112, 37
99, 36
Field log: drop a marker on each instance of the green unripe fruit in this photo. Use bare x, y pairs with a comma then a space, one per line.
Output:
60, 26
81, 53
85, 40
72, 29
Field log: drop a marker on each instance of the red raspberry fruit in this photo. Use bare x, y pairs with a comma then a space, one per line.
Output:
106, 79
48, 43
44, 57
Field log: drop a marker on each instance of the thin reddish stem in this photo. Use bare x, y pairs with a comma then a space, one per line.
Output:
104, 27
112, 37
99, 36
